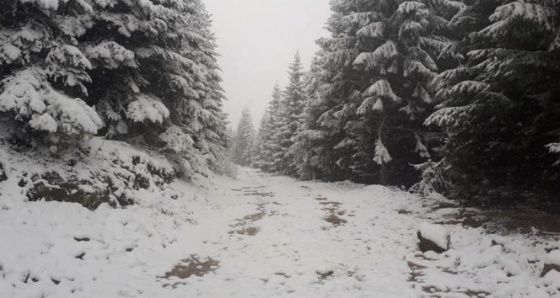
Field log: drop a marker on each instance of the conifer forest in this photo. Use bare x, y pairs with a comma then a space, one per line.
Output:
416, 153
457, 97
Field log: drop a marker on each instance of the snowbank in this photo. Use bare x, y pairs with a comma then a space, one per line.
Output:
99, 172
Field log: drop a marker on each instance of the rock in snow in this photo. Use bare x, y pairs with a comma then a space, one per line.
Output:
552, 263
433, 237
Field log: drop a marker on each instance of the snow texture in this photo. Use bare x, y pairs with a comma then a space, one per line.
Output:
271, 238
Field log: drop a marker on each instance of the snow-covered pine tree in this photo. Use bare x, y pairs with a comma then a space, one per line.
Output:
243, 140
257, 157
405, 39
43, 72
171, 98
272, 119
312, 149
500, 108
293, 101
373, 90
148, 68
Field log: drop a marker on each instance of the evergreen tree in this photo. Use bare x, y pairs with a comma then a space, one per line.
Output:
500, 108
148, 68
257, 156
373, 91
243, 140
43, 72
311, 151
269, 148
290, 111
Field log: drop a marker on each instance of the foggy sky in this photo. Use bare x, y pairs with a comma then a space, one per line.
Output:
257, 41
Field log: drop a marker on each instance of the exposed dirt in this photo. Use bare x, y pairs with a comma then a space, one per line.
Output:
247, 231
335, 220
254, 217
416, 271
193, 266
333, 212
242, 226
335, 204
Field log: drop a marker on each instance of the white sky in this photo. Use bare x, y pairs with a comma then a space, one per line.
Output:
257, 40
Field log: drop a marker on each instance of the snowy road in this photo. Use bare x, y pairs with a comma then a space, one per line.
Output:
262, 236
310, 240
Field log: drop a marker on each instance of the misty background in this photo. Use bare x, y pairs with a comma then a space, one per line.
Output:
256, 45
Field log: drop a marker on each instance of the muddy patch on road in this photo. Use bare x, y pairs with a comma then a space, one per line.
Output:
243, 226
334, 214
189, 267
335, 220
246, 231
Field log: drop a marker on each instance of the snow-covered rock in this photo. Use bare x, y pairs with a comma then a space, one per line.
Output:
433, 237
552, 263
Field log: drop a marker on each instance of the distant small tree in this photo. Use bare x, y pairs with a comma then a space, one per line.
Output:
268, 130
243, 140
291, 109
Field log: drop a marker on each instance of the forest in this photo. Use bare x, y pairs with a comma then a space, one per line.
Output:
417, 155
454, 97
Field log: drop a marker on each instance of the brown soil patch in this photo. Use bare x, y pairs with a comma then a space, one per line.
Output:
193, 266
335, 204
254, 217
251, 218
436, 293
332, 208
335, 220
248, 231
416, 271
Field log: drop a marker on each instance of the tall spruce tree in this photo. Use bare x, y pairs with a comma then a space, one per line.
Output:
269, 147
243, 140
373, 93
500, 108
290, 111
148, 68
44, 71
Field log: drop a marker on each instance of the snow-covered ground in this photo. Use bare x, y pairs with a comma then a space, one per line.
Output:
264, 236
